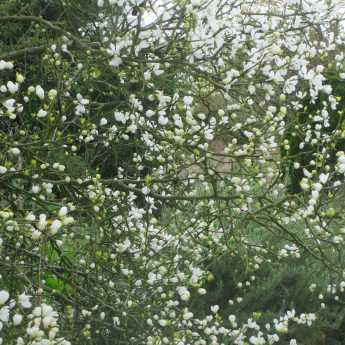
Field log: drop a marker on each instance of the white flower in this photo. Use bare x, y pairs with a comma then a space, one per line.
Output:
10, 104
41, 113
4, 296
35, 189
147, 75
122, 247
307, 173
55, 226
35, 234
251, 89
116, 61
120, 117
187, 315
17, 319
201, 291
187, 100
33, 332
5, 65
132, 128
317, 186
281, 327
214, 308
145, 190
232, 318
24, 300
209, 135
4, 314
103, 121
149, 113
15, 151
49, 321
341, 159
163, 323
327, 89
12, 87
3, 169
63, 211
42, 223
39, 92
183, 292
30, 217
257, 340
163, 120
341, 168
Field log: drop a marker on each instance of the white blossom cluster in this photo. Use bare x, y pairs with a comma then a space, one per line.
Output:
34, 325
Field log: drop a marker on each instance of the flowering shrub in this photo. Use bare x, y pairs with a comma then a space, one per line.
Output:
115, 204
